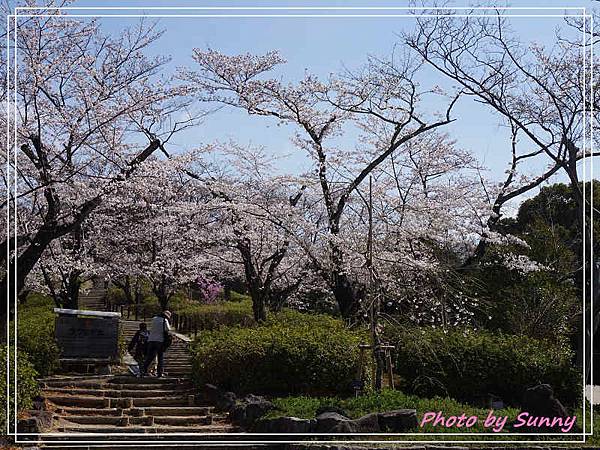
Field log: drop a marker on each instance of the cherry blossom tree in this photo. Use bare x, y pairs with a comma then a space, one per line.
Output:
91, 108
383, 100
152, 229
537, 92
540, 92
258, 221
63, 268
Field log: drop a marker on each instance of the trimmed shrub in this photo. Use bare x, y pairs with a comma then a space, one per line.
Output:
293, 353
470, 365
26, 384
35, 333
218, 315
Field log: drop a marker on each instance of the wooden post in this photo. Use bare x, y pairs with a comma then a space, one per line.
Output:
390, 367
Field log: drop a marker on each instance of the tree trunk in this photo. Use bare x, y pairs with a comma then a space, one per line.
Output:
72, 289
258, 305
345, 295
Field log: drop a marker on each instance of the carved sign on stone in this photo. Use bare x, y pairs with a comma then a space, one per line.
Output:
87, 337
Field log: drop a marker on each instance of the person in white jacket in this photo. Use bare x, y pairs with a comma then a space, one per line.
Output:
159, 328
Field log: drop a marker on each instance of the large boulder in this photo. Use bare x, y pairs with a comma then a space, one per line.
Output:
330, 408
364, 424
285, 425
222, 401
398, 421
327, 421
540, 401
249, 409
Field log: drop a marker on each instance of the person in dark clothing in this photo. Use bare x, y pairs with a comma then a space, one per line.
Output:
138, 347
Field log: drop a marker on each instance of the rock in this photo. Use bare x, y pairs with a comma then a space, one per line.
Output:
226, 402
285, 425
255, 409
540, 401
332, 408
223, 401
211, 393
39, 403
327, 421
398, 421
365, 424
249, 410
38, 422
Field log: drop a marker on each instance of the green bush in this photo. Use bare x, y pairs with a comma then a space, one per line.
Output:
26, 384
470, 365
385, 400
218, 315
35, 333
293, 353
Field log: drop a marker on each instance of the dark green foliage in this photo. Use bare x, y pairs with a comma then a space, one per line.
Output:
217, 315
470, 365
544, 304
292, 353
386, 400
26, 384
539, 304
35, 332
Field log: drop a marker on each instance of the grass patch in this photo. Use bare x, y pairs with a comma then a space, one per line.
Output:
305, 407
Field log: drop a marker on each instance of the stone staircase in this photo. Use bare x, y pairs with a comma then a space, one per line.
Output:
93, 300
124, 404
177, 358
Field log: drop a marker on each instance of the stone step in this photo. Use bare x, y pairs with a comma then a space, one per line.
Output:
167, 446
127, 421
187, 400
95, 402
118, 421
183, 420
120, 393
110, 429
177, 411
85, 402
54, 385
128, 379
68, 410
77, 378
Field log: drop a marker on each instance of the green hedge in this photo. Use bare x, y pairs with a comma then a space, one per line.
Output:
470, 365
218, 315
26, 384
293, 353
35, 332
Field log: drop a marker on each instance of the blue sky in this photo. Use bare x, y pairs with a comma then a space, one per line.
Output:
320, 45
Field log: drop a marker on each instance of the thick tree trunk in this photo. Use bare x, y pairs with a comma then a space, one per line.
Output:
345, 295
72, 288
258, 305
341, 286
